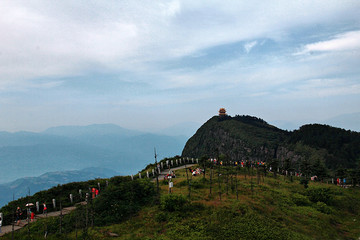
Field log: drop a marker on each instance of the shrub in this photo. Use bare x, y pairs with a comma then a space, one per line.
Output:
119, 202
322, 207
173, 202
320, 194
160, 217
300, 200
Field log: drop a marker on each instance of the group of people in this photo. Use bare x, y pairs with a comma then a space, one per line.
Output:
196, 171
30, 214
171, 174
95, 192
239, 163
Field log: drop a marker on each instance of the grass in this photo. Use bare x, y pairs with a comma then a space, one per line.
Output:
273, 209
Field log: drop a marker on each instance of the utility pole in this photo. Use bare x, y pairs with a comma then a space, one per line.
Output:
13, 219
61, 218
157, 172
189, 186
236, 183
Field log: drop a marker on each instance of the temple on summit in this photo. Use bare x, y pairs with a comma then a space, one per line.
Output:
222, 112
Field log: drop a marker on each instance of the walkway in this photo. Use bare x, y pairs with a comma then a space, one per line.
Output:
164, 172
23, 223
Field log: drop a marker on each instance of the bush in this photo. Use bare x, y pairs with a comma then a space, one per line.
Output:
119, 202
304, 182
173, 202
320, 195
160, 217
322, 207
300, 200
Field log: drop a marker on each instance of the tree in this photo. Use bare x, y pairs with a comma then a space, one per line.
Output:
318, 169
205, 163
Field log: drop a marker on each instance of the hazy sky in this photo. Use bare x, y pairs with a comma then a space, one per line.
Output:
153, 64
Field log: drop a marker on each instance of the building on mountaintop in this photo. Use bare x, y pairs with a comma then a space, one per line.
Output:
222, 112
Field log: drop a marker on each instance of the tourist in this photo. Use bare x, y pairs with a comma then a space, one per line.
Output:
18, 214
32, 215
45, 209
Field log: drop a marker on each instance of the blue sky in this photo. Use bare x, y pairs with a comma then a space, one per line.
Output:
149, 65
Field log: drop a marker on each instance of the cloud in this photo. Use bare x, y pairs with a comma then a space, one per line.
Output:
69, 38
341, 42
147, 53
248, 46
323, 88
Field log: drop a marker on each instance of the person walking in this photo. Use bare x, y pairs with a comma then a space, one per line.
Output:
18, 214
32, 216
45, 208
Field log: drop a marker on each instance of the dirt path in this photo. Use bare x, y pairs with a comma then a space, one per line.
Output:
23, 223
166, 171
67, 210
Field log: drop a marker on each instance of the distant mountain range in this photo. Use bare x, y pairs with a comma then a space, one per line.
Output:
24, 154
30, 185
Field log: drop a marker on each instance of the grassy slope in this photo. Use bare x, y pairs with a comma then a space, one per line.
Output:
275, 209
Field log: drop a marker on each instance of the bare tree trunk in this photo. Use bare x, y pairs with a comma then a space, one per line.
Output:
211, 174
187, 177
219, 183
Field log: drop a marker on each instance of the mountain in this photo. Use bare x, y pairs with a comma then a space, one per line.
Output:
94, 129
24, 154
251, 138
22, 186
186, 129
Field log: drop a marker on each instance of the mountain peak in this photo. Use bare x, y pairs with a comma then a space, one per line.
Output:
93, 129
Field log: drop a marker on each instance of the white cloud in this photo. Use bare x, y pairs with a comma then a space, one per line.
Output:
341, 42
248, 46
68, 38
42, 42
322, 88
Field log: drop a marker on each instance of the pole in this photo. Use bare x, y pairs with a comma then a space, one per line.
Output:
211, 174
219, 174
13, 220
236, 183
157, 172
28, 221
60, 218
187, 177
86, 208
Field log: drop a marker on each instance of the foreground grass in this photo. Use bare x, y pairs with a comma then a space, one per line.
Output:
258, 208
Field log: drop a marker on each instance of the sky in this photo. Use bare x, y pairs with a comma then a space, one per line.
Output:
149, 65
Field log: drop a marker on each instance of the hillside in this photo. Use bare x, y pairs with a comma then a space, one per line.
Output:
227, 203
251, 138
21, 187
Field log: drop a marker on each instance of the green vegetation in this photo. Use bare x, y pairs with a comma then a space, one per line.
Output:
252, 206
315, 150
227, 201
